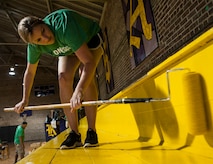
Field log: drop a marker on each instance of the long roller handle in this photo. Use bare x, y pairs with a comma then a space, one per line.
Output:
85, 103
117, 101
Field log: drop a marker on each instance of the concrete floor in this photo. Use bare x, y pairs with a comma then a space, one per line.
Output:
11, 151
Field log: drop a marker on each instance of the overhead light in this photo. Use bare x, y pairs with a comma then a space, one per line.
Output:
12, 71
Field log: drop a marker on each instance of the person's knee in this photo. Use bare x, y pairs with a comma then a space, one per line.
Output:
63, 79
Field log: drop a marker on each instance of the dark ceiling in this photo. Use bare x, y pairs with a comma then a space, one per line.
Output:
12, 49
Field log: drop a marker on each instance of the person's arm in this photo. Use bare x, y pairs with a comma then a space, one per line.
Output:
89, 62
28, 80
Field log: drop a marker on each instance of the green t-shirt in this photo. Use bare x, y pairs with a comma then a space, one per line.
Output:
19, 133
70, 29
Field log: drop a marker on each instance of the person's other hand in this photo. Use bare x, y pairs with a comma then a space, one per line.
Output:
19, 108
76, 100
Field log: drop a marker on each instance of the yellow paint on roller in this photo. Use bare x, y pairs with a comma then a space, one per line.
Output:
194, 103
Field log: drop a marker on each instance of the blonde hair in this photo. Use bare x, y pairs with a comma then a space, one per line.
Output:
25, 27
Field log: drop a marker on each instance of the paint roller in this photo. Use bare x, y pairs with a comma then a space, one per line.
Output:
101, 102
195, 106
195, 109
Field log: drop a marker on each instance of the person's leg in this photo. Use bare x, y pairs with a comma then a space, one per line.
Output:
67, 67
19, 153
90, 95
16, 157
16, 154
91, 111
22, 152
91, 92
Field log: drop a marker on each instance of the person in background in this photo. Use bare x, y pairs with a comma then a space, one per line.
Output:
19, 141
77, 42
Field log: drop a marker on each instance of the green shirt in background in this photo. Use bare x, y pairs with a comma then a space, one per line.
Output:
19, 133
70, 29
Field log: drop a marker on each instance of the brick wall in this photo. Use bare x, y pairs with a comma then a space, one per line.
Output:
178, 22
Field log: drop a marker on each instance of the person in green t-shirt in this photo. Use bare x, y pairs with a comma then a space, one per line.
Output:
77, 42
19, 141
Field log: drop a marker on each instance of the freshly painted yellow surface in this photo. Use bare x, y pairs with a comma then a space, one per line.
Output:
148, 133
